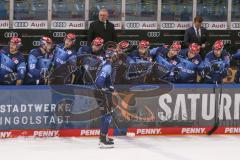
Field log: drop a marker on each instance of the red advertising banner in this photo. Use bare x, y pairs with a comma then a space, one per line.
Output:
158, 131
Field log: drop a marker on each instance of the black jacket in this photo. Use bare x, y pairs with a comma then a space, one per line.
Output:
191, 37
97, 29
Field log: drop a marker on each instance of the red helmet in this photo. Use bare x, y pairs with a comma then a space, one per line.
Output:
123, 44
218, 45
45, 40
17, 41
98, 41
176, 46
194, 47
144, 44
71, 36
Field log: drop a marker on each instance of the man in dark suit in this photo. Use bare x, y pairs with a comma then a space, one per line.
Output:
102, 28
196, 34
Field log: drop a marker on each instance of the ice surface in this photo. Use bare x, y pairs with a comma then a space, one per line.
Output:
126, 148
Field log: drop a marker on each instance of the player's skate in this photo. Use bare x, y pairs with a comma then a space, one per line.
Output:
109, 139
105, 142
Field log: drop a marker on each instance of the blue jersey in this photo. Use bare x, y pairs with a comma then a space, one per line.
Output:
137, 66
236, 55
63, 55
188, 66
105, 75
39, 64
85, 50
196, 59
187, 71
135, 57
160, 53
225, 58
217, 66
12, 63
88, 50
166, 65
93, 61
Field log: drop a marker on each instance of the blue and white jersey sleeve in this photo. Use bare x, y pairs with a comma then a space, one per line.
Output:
161, 61
84, 50
236, 55
32, 66
153, 52
21, 68
73, 59
104, 76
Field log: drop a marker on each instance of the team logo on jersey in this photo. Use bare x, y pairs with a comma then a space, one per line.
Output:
195, 61
69, 52
173, 62
15, 60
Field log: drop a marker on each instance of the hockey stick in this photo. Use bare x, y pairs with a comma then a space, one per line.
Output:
103, 94
142, 73
217, 121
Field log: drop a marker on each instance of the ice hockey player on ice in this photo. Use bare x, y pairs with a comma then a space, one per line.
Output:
104, 84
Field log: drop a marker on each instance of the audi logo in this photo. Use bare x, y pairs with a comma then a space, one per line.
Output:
133, 25
168, 25
177, 41
153, 34
133, 42
236, 25
59, 24
36, 43
83, 43
10, 34
21, 24
205, 25
59, 34
227, 41
116, 25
